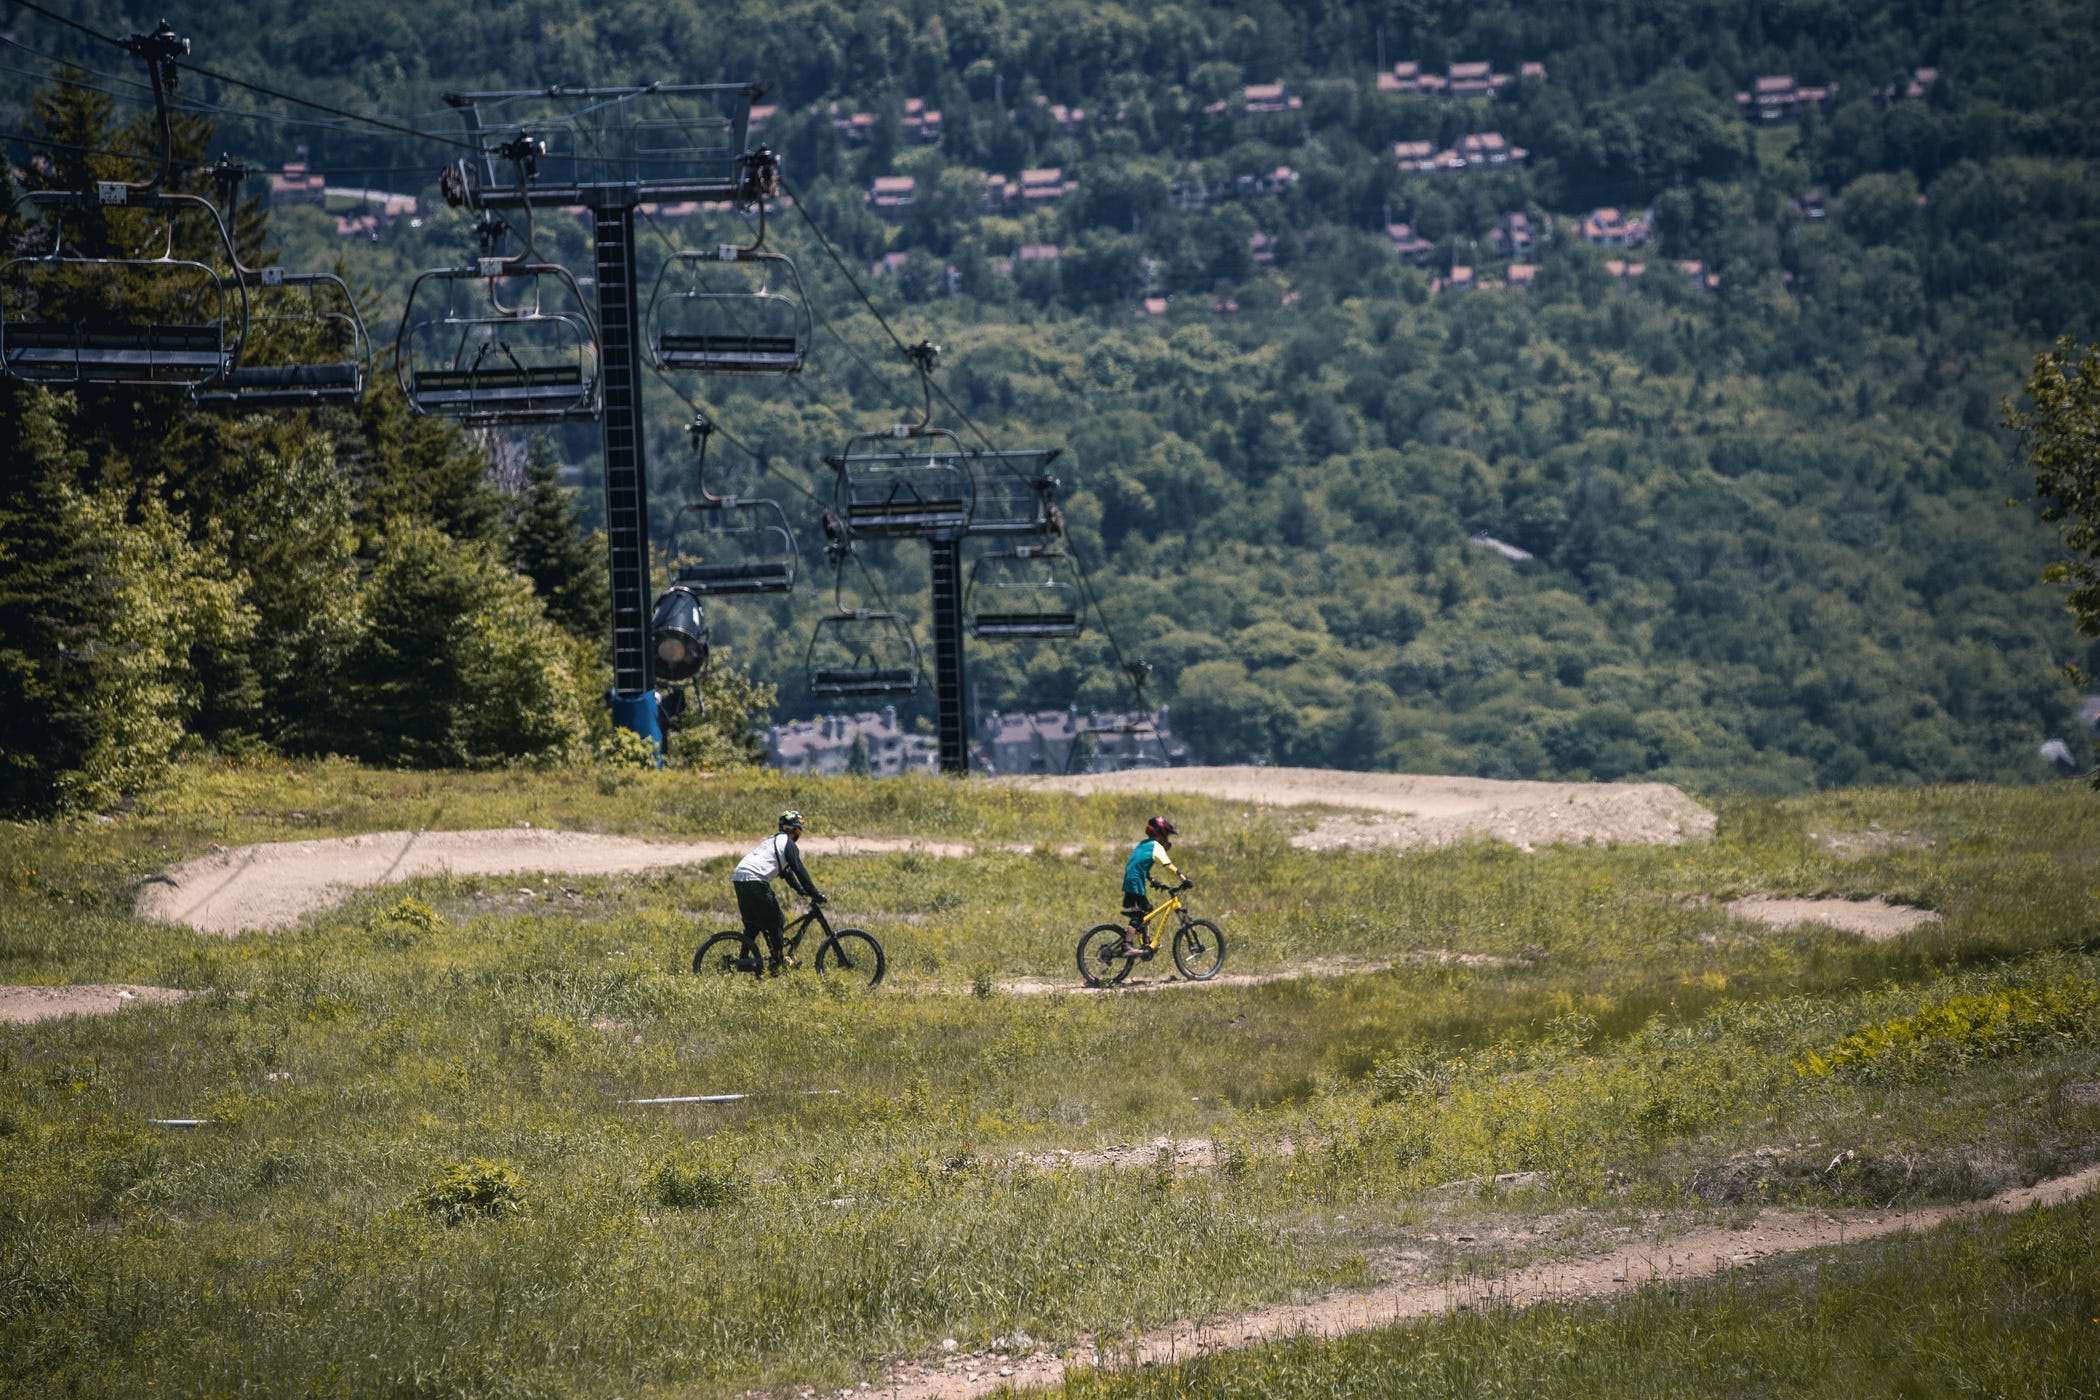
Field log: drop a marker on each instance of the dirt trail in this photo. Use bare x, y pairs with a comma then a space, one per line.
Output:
1410, 811
1876, 920
1699, 1254
21, 1005
274, 885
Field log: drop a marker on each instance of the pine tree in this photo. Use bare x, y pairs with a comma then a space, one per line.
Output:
548, 546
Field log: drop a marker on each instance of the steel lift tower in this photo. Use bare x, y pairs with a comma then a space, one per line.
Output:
609, 151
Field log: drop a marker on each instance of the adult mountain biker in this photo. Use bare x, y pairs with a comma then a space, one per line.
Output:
776, 856
1146, 857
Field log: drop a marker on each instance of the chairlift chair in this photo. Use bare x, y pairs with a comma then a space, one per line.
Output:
861, 652
744, 546
304, 345
729, 311
1013, 493
910, 482
504, 341
68, 317
1028, 593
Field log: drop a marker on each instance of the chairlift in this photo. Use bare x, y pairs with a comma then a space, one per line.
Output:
735, 545
73, 317
729, 311
910, 482
502, 341
1014, 494
861, 651
1028, 593
68, 317
305, 345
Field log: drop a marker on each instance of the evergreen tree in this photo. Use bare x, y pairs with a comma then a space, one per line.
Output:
547, 545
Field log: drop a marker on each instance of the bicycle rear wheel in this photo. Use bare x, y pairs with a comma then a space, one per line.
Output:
854, 957
1102, 961
1199, 949
729, 953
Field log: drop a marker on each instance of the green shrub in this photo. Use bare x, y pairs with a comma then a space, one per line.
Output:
684, 1183
474, 1189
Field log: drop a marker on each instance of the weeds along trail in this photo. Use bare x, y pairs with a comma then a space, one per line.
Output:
1697, 1254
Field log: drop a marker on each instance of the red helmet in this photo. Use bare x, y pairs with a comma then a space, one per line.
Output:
1158, 827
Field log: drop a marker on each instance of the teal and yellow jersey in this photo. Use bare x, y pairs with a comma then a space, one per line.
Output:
1143, 860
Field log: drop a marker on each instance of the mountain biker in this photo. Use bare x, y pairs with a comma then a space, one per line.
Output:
777, 855
1147, 856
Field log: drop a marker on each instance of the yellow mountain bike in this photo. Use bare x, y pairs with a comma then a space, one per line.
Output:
1199, 946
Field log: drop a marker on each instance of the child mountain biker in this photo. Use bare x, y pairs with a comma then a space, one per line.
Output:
777, 855
1147, 856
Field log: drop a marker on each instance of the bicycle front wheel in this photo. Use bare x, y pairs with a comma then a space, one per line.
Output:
729, 953
1199, 950
854, 957
1102, 961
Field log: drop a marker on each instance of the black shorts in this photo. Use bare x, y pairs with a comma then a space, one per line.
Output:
1136, 906
759, 909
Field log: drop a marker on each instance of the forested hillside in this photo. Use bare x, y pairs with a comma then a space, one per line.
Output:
1764, 498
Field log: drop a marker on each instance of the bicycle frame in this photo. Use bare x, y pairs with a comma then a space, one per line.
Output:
1155, 923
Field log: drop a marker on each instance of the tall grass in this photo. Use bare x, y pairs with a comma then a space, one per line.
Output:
422, 1172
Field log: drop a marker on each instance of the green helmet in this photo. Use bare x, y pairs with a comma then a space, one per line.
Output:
791, 818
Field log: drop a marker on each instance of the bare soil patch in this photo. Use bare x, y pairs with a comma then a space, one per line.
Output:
21, 1005
1615, 1269
1876, 920
1410, 812
274, 885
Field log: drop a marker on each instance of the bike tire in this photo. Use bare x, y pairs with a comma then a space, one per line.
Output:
729, 953
1199, 949
854, 957
1102, 963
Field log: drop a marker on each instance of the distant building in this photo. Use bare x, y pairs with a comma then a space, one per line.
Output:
1461, 80
1266, 99
1609, 228
1263, 247
921, 122
1523, 274
1411, 246
1042, 742
825, 745
1514, 236
1045, 186
1482, 150
297, 184
892, 194
1778, 97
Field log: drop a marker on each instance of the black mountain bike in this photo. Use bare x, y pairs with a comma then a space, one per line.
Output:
850, 955
1199, 946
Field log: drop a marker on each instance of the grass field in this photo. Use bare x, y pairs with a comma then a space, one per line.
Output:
420, 1174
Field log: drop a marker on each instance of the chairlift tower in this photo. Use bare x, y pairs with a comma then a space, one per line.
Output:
609, 150
918, 481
